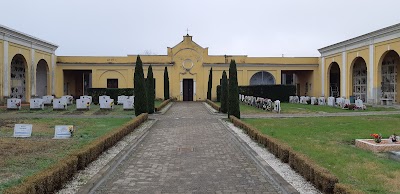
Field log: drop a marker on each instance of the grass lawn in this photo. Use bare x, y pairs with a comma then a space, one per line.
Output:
20, 157
329, 142
290, 108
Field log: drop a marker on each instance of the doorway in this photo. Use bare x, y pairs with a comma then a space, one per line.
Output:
187, 89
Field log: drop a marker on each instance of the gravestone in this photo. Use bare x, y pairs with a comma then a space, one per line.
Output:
331, 101
359, 104
36, 103
128, 104
68, 99
340, 102
22, 130
121, 99
313, 100
277, 106
88, 98
303, 100
59, 104
48, 100
83, 104
107, 104
14, 104
102, 98
63, 131
321, 101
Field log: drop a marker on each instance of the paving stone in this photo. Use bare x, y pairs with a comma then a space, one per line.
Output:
187, 151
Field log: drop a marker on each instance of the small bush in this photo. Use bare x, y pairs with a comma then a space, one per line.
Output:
163, 104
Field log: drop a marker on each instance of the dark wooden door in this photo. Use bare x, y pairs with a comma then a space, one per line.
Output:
187, 89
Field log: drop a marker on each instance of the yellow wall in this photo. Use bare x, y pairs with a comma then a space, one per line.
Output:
122, 68
1, 68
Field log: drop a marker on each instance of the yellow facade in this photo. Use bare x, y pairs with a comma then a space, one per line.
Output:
185, 53
362, 67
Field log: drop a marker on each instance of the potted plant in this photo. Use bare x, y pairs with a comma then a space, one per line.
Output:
377, 137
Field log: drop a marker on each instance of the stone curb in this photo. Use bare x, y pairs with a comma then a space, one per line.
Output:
263, 166
105, 172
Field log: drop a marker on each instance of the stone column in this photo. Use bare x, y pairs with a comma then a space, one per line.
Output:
53, 69
33, 74
371, 98
323, 76
6, 75
343, 84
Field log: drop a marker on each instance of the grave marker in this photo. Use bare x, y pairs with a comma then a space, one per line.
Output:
36, 103
83, 104
59, 104
14, 104
22, 130
48, 100
63, 131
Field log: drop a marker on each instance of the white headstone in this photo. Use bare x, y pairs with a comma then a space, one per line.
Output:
63, 131
331, 101
104, 98
14, 103
321, 101
48, 100
359, 104
59, 104
128, 104
69, 99
22, 130
107, 104
87, 97
277, 106
303, 100
296, 99
313, 100
83, 104
36, 103
121, 99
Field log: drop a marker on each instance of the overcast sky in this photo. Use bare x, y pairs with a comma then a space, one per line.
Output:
254, 28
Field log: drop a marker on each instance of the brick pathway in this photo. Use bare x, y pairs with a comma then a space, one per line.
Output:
187, 151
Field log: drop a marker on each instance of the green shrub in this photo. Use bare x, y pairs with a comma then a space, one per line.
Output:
224, 93
233, 97
166, 84
140, 89
151, 93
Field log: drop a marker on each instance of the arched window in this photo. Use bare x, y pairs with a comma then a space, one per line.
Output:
262, 78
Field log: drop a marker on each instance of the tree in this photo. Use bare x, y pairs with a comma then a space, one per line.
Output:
233, 97
140, 89
150, 90
209, 89
224, 93
166, 84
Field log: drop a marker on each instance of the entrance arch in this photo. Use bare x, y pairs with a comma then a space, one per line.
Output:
262, 78
19, 71
334, 79
42, 70
389, 78
359, 79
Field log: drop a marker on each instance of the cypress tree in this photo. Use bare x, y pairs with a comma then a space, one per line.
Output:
150, 90
209, 89
224, 93
140, 89
233, 97
166, 84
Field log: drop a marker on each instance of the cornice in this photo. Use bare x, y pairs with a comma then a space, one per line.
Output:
377, 36
14, 36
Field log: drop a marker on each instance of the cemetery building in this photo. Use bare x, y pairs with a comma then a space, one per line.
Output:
363, 67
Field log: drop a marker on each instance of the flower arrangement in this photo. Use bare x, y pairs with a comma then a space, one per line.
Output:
71, 130
393, 137
377, 137
87, 105
18, 104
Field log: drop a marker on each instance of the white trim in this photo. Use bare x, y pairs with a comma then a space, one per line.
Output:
194, 88
323, 76
23, 39
181, 88
371, 73
5, 68
377, 36
343, 75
